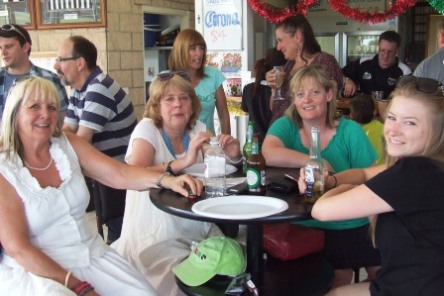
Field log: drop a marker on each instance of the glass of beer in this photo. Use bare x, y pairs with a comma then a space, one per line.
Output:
279, 70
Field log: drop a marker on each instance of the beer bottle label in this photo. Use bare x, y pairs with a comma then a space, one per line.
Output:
253, 178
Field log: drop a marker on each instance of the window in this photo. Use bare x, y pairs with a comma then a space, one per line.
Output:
17, 12
42, 14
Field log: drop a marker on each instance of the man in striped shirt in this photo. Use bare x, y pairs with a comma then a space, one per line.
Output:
99, 111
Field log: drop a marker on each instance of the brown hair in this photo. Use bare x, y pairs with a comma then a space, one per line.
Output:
362, 108
299, 22
179, 58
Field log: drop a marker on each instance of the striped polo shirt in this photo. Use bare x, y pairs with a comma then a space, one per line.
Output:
103, 106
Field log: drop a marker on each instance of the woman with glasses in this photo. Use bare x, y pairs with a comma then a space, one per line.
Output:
344, 145
404, 197
168, 139
295, 38
189, 54
48, 246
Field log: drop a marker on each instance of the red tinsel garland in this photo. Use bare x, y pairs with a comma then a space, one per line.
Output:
359, 15
275, 15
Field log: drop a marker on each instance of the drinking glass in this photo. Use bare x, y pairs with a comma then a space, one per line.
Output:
279, 70
377, 95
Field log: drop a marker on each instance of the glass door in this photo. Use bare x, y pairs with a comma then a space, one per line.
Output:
362, 45
329, 43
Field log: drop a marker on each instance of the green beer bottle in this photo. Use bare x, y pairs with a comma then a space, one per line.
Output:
247, 146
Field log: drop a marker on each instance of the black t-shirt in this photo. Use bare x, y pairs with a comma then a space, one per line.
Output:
411, 239
369, 76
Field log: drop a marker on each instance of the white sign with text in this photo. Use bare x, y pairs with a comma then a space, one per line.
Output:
222, 24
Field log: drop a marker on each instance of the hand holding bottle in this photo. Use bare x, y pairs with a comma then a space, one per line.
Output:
302, 184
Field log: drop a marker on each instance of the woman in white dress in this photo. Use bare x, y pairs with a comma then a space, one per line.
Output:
48, 246
168, 139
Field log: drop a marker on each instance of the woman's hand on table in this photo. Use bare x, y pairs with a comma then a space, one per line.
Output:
183, 184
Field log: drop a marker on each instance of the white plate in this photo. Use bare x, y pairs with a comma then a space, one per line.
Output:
240, 207
198, 169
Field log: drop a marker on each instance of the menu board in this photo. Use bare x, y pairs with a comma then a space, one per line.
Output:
222, 24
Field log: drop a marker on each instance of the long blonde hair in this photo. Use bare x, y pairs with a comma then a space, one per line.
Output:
20, 93
434, 142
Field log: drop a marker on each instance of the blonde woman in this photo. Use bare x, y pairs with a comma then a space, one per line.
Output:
405, 196
48, 246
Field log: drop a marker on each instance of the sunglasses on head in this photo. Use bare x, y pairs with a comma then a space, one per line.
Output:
169, 74
9, 28
424, 85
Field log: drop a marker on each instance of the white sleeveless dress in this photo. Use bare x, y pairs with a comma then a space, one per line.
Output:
58, 226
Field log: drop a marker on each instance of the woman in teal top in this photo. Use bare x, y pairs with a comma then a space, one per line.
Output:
344, 145
189, 54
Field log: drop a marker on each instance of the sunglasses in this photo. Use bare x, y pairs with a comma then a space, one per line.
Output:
167, 75
424, 85
9, 28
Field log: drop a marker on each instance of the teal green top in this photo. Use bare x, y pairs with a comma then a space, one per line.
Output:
349, 148
206, 92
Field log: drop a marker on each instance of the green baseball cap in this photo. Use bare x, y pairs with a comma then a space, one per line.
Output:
216, 255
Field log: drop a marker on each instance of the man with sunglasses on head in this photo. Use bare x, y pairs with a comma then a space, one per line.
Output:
102, 113
15, 47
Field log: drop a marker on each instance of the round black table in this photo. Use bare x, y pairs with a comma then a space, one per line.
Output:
175, 204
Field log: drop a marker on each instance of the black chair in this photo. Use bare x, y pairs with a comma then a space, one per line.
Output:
109, 204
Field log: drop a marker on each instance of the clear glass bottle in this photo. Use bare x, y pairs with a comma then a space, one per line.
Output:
215, 161
247, 146
314, 169
256, 178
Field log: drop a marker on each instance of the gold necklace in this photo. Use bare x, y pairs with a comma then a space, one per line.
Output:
39, 169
